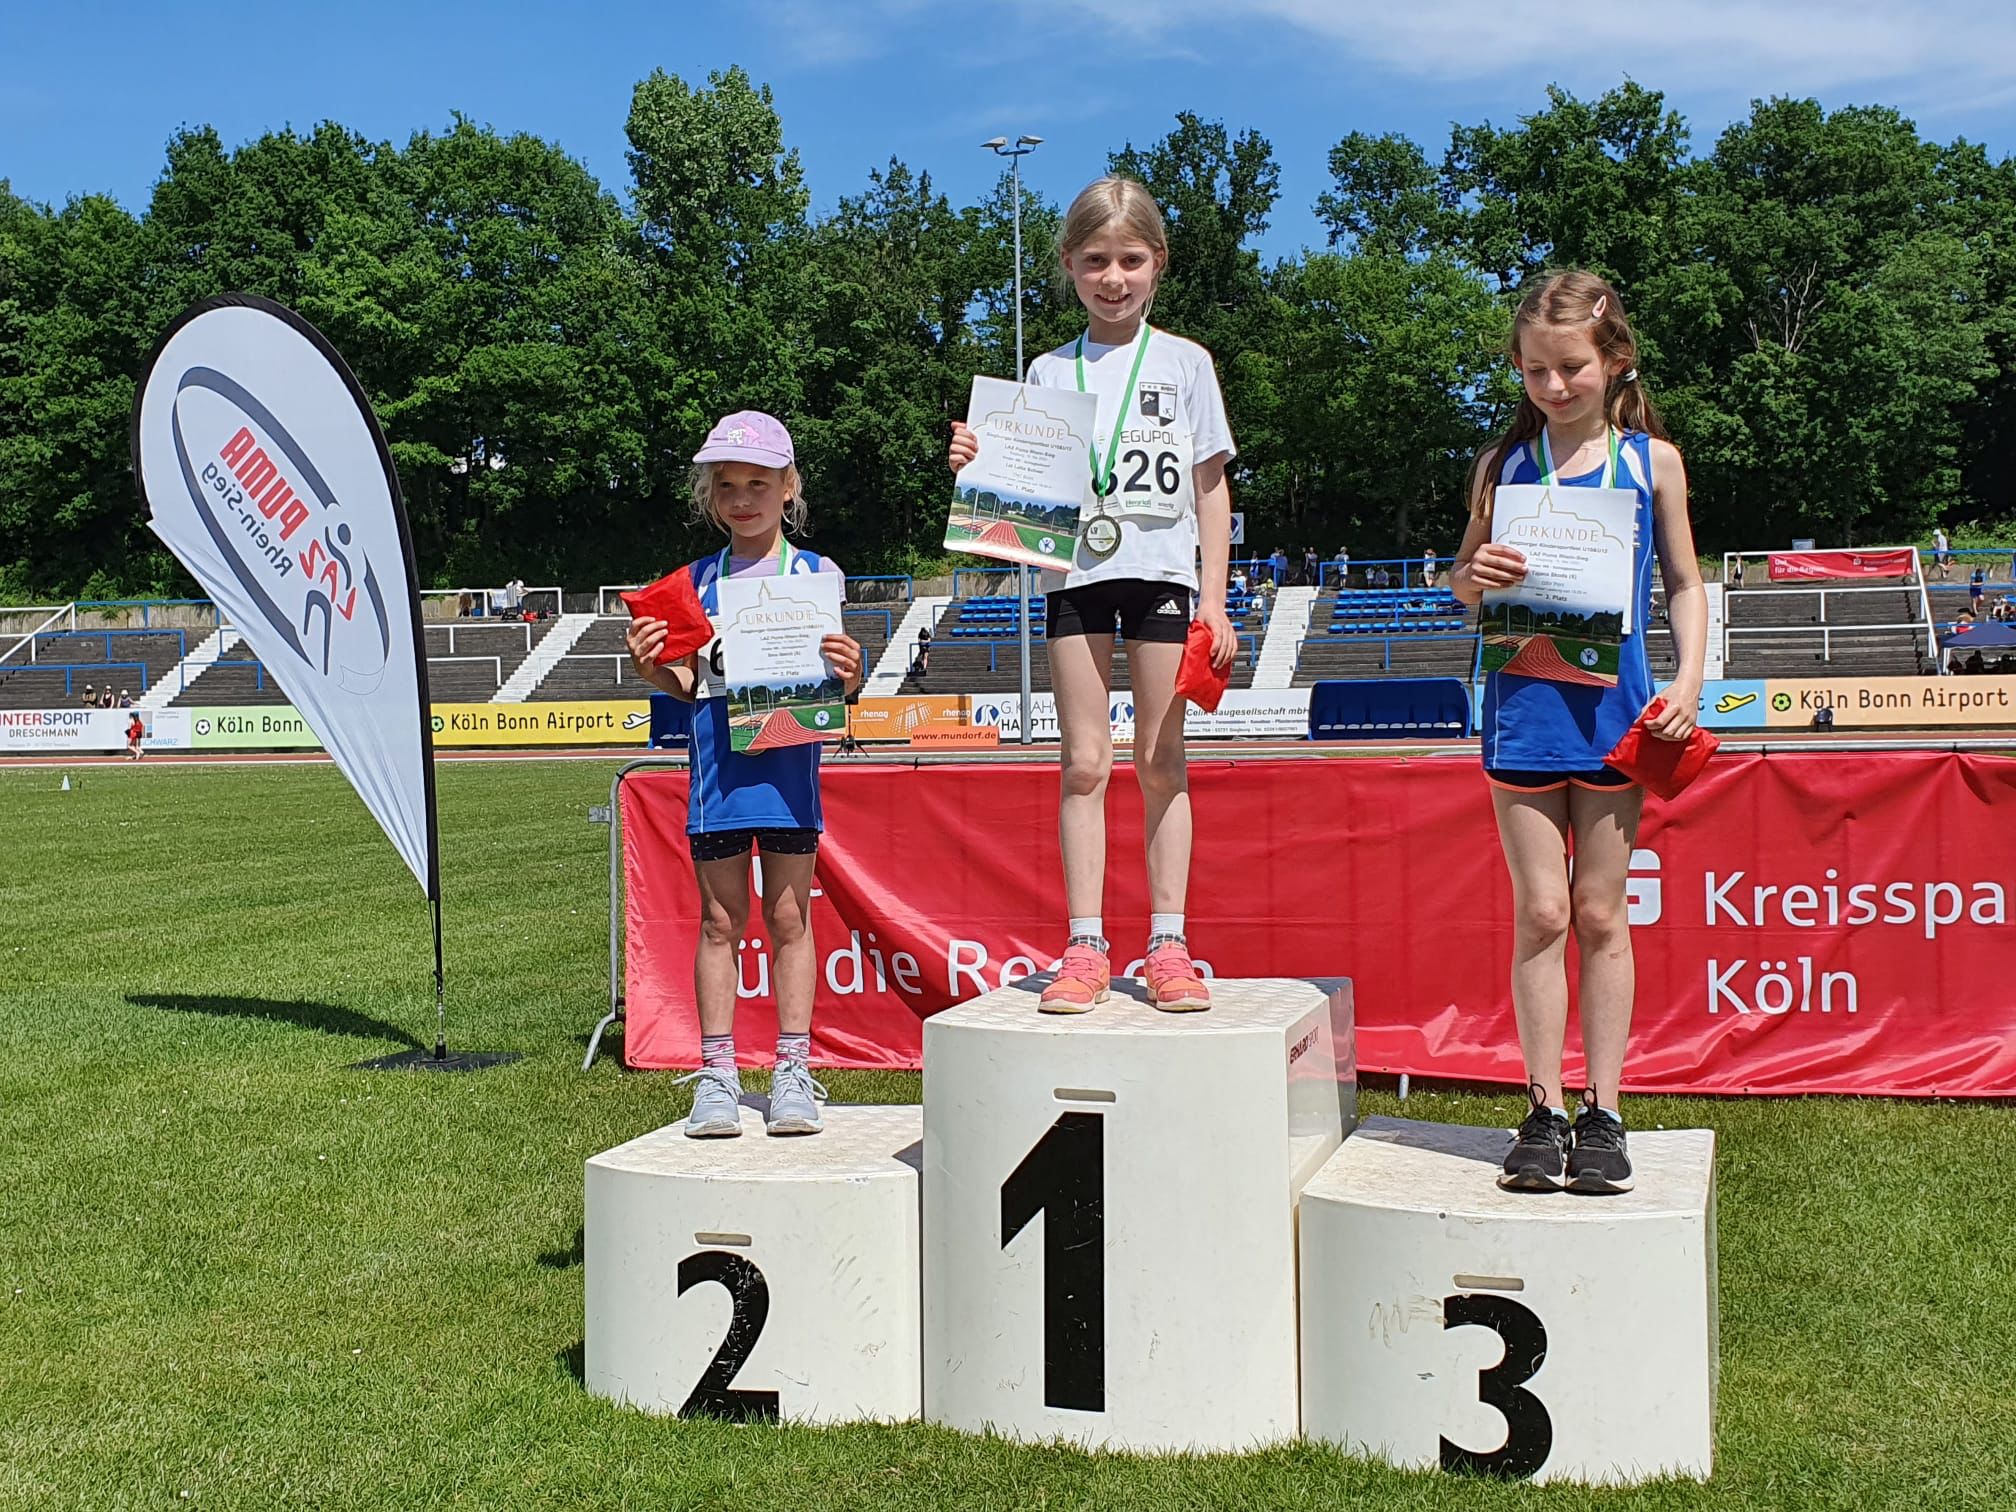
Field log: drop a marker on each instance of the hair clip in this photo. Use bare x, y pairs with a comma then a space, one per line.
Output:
1602, 303
1631, 376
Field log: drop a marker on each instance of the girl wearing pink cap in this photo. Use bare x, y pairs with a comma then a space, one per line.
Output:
1152, 552
745, 480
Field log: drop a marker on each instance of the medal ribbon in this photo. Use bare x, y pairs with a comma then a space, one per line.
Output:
1547, 460
784, 555
1103, 479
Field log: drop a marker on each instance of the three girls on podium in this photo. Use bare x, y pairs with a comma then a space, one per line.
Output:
1138, 574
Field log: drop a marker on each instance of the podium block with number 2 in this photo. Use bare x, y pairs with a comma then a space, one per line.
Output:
1527, 1336
1109, 1211
755, 1278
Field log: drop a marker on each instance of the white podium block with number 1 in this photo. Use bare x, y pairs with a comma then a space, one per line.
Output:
1109, 1211
1546, 1336
758, 1278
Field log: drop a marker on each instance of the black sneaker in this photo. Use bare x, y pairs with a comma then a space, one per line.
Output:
1539, 1150
1598, 1162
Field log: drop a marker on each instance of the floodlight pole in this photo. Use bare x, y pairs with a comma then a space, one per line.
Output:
1024, 145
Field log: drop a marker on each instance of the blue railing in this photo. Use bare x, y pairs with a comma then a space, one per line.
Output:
71, 669
258, 667
181, 637
1386, 658
888, 619
1010, 650
1405, 572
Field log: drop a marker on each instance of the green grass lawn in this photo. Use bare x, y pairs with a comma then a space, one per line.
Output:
234, 1272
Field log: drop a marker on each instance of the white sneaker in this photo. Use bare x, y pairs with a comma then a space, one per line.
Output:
794, 1100
717, 1103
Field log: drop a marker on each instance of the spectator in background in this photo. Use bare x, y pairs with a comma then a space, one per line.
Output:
1736, 573
1277, 566
1428, 568
107, 699
2004, 610
1312, 566
125, 698
1974, 666
1239, 579
465, 604
514, 595
1977, 584
1941, 557
135, 733
920, 663
90, 696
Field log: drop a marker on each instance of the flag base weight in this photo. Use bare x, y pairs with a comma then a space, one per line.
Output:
432, 1060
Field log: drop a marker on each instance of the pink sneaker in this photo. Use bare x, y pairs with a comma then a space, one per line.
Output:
1173, 983
1084, 978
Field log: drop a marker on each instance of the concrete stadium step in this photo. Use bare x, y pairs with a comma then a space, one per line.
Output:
556, 643
185, 672
894, 663
1286, 628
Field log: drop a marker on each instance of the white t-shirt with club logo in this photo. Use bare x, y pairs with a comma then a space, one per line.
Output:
1176, 420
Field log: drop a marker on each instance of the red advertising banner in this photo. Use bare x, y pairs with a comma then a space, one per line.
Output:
1803, 923
1900, 562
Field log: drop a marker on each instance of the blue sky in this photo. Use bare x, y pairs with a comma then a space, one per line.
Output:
89, 92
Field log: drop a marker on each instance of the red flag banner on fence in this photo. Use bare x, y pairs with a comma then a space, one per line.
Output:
1802, 923
1790, 566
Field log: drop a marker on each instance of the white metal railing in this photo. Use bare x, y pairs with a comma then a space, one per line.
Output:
602, 596
485, 629
621, 658
496, 664
485, 596
1730, 595
56, 612
1828, 632
1925, 608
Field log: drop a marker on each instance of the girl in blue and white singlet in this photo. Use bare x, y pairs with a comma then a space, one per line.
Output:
1585, 421
746, 481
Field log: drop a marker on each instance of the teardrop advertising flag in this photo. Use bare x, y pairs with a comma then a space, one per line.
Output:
267, 475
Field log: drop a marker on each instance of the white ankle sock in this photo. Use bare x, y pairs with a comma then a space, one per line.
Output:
1164, 926
1090, 927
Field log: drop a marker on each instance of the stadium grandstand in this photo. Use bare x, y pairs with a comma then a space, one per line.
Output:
174, 653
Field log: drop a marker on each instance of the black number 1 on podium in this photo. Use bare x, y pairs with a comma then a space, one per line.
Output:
1063, 1177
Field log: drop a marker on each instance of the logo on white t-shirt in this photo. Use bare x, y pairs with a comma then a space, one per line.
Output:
1158, 402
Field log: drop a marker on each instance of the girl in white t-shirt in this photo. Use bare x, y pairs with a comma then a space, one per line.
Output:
1161, 445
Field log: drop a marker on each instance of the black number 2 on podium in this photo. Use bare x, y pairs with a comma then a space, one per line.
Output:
716, 1396
1529, 1432
1063, 1177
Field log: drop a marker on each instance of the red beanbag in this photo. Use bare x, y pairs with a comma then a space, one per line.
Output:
1197, 680
673, 600
1663, 767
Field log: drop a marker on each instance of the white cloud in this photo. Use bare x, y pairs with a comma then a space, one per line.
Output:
1959, 54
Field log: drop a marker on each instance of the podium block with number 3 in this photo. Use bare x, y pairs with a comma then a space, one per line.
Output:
1109, 1211
759, 1279
1529, 1336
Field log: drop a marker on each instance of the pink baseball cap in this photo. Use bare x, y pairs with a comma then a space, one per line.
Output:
748, 436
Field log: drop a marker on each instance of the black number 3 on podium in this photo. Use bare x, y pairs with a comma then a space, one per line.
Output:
1063, 1177
1529, 1432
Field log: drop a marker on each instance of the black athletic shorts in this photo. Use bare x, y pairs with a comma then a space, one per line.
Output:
1605, 776
1138, 609
722, 845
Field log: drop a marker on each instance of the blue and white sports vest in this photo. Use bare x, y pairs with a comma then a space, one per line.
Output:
732, 790
1534, 724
